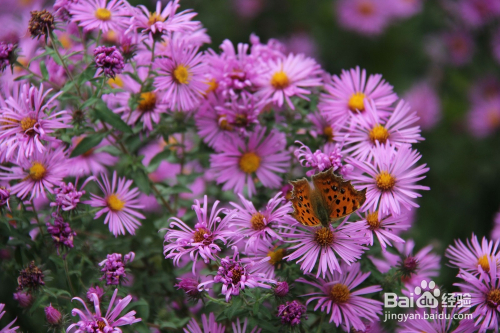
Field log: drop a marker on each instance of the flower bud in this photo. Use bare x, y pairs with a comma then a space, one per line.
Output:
25, 300
53, 315
281, 289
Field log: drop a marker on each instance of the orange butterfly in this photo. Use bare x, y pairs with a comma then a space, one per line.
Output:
331, 198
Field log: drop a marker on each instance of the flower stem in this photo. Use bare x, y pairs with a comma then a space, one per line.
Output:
67, 277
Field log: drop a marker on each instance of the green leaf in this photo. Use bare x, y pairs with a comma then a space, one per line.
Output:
142, 308
87, 144
158, 158
44, 71
103, 113
142, 181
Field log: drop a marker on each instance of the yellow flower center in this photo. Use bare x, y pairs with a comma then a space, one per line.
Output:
493, 118
154, 17
340, 293
365, 8
27, 124
236, 274
181, 74
356, 102
249, 162
483, 261
101, 325
280, 80
328, 132
493, 297
37, 171
212, 86
372, 221
114, 203
147, 101
116, 82
257, 221
385, 181
276, 256
199, 235
66, 41
323, 236
379, 133
103, 14
224, 124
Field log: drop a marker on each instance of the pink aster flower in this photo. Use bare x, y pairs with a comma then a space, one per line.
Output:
324, 127
347, 94
473, 257
259, 226
27, 120
200, 241
120, 205
404, 8
95, 322
330, 157
367, 17
266, 258
239, 328
385, 227
347, 306
114, 267
239, 160
181, 76
478, 12
37, 174
8, 328
213, 127
163, 21
424, 100
390, 178
326, 243
283, 78
209, 325
413, 267
459, 46
442, 321
495, 233
112, 15
495, 45
236, 276
484, 117
485, 297
400, 128
92, 162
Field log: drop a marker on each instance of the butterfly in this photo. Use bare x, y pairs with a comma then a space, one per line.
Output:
331, 199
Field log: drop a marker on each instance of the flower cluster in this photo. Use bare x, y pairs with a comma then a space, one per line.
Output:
114, 267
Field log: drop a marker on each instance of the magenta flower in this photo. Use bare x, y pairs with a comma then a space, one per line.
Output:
367, 17
60, 232
441, 321
108, 60
114, 267
190, 287
4, 197
495, 233
162, 21
209, 325
238, 328
400, 128
484, 117
459, 46
478, 12
259, 226
405, 9
182, 77
424, 100
37, 174
236, 276
485, 297
112, 15
120, 205
238, 161
345, 241
347, 94
390, 178
213, 127
385, 227
265, 258
286, 77
330, 157
473, 257
346, 305
95, 322
67, 197
292, 313
26, 121
24, 298
324, 127
7, 54
8, 328
98, 291
53, 315
92, 162
202, 240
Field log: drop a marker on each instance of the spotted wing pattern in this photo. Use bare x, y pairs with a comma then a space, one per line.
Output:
340, 197
301, 200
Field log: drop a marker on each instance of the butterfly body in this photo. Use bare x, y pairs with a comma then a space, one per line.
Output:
332, 198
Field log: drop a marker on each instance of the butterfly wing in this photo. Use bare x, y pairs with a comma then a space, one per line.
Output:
339, 195
303, 210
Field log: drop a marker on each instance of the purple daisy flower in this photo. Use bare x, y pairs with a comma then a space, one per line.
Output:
484, 117
459, 46
120, 205
424, 100
8, 328
112, 15
238, 161
67, 197
163, 21
36, 174
390, 178
236, 276
404, 8
238, 328
473, 257
61, 232
385, 227
92, 162
108, 60
27, 120
495, 233
181, 76
213, 127
346, 305
485, 297
95, 322
367, 17
4, 197
259, 226
200, 241
400, 128
324, 127
209, 325
347, 94
345, 241
441, 321
292, 313
265, 258
286, 77
330, 157
114, 267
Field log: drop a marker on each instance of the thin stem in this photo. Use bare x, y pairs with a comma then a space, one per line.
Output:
217, 301
67, 277
17, 63
164, 202
37, 220
117, 140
